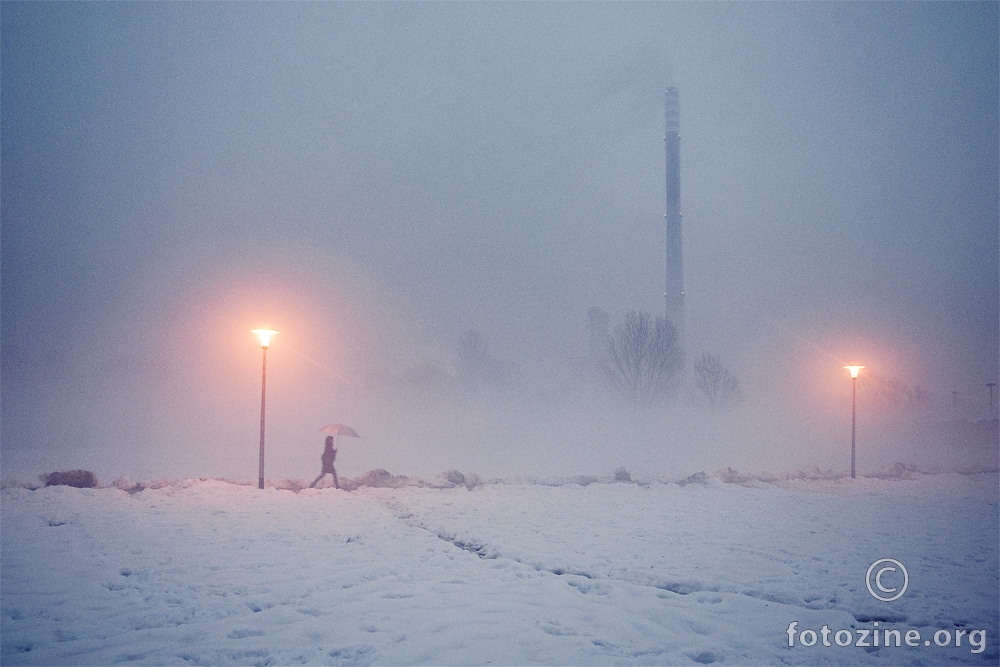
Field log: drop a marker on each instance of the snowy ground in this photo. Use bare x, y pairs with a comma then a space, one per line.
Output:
208, 572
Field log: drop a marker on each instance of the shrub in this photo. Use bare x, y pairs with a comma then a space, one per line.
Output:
80, 479
622, 475
454, 477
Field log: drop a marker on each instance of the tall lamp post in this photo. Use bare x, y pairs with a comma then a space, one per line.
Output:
854, 408
265, 340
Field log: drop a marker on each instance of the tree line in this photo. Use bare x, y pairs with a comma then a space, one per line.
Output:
641, 360
644, 362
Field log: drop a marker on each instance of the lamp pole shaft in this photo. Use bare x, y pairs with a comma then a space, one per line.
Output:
854, 416
263, 387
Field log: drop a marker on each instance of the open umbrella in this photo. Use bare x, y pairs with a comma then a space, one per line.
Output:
338, 430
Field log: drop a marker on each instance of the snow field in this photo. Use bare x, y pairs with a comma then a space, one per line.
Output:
214, 573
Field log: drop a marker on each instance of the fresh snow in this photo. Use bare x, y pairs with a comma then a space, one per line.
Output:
209, 572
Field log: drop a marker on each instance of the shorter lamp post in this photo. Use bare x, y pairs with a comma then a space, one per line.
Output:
265, 340
854, 408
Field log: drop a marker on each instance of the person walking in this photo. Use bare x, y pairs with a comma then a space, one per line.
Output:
328, 457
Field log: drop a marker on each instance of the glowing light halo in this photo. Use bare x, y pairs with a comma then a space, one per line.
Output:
854, 371
265, 336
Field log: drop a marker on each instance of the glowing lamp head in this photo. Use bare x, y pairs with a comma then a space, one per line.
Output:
854, 371
265, 336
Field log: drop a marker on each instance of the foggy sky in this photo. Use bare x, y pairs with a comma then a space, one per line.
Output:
374, 179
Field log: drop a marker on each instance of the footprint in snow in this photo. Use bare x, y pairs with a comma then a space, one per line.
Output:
706, 657
555, 628
243, 634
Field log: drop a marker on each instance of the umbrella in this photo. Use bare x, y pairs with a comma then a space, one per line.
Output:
338, 430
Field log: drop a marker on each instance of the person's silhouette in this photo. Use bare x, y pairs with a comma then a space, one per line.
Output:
328, 457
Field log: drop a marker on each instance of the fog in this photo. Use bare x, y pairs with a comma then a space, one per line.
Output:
374, 180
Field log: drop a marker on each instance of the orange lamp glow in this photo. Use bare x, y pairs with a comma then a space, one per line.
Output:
854, 370
265, 336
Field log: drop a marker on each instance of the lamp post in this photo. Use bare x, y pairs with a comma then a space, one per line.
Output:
993, 415
854, 408
265, 340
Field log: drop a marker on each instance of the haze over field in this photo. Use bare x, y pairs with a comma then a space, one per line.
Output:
374, 180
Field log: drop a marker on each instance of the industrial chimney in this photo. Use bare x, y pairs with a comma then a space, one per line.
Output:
674, 293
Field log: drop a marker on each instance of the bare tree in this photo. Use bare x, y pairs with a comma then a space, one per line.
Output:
644, 357
477, 367
718, 385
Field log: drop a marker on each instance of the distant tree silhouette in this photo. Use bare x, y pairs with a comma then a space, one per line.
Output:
644, 357
473, 358
475, 365
717, 383
893, 394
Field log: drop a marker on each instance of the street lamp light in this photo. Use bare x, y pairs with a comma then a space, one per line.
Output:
265, 340
854, 408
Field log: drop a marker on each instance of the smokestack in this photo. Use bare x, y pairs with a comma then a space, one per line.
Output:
674, 293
